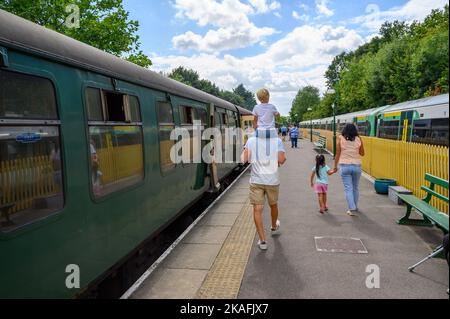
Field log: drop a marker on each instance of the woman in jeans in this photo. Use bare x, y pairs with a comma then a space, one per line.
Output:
349, 150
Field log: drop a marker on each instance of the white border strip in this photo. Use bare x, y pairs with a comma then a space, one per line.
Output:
152, 268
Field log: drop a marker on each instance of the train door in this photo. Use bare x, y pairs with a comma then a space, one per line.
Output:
406, 119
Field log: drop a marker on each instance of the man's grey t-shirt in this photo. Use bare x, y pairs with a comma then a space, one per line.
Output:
266, 115
264, 160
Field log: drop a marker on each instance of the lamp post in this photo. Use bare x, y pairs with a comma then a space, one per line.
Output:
331, 91
311, 128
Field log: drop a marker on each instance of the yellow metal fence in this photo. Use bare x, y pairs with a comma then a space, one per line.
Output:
405, 162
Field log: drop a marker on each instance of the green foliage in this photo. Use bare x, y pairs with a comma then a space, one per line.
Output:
104, 24
407, 61
239, 96
307, 97
249, 97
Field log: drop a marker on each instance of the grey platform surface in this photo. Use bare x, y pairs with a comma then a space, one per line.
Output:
292, 268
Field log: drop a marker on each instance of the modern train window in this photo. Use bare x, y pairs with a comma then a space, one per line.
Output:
166, 124
388, 129
363, 128
31, 179
115, 141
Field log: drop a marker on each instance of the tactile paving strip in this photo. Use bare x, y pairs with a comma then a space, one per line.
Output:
224, 279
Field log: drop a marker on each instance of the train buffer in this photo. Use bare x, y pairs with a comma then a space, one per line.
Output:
315, 256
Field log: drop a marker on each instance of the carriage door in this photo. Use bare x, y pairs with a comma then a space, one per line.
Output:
406, 125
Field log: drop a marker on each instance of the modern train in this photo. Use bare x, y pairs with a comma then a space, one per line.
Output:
85, 169
420, 121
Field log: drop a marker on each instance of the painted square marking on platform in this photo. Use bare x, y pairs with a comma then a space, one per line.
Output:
340, 245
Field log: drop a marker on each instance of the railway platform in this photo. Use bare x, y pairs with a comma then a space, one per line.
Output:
218, 257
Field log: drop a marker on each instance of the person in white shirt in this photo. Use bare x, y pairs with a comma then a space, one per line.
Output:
265, 155
264, 113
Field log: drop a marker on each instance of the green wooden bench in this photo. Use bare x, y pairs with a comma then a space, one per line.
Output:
431, 215
321, 143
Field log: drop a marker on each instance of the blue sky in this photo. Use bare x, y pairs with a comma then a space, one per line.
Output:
280, 45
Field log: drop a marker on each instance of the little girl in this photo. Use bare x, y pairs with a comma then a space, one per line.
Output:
321, 172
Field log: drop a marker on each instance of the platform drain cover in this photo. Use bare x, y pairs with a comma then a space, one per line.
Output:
340, 245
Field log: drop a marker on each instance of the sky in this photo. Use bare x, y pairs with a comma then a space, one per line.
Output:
280, 45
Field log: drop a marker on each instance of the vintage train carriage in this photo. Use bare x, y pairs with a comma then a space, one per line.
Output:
85, 169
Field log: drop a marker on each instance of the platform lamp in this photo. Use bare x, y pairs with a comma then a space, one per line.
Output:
311, 128
332, 91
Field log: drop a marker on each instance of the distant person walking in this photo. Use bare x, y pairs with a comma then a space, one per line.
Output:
264, 181
349, 150
294, 136
284, 132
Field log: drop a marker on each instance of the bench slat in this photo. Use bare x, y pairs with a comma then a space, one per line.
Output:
431, 212
434, 193
436, 180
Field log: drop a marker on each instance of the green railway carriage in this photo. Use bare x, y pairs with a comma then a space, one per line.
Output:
85, 169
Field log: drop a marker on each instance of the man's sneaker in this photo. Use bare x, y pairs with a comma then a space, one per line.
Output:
276, 231
262, 245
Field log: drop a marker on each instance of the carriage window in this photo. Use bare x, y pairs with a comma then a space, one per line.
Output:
134, 109
26, 97
389, 129
94, 104
116, 158
115, 108
188, 115
203, 116
31, 185
166, 125
115, 146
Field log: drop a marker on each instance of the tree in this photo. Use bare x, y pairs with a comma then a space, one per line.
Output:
192, 78
407, 61
232, 98
103, 24
249, 97
307, 97
391, 31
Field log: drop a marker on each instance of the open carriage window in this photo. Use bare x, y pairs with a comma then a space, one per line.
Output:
115, 141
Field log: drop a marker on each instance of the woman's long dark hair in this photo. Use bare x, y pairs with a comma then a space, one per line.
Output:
320, 162
350, 132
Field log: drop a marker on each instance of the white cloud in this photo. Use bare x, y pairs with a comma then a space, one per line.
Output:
230, 17
322, 9
412, 10
297, 16
303, 6
300, 58
277, 14
262, 6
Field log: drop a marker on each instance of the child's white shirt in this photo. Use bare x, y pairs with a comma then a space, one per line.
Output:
266, 115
